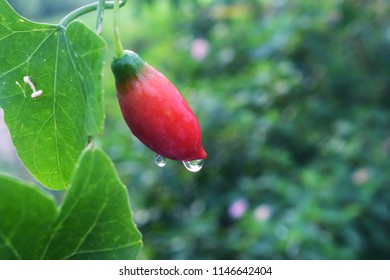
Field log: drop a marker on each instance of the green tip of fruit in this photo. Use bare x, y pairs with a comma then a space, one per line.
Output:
126, 66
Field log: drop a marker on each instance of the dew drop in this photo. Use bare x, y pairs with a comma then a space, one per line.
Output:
194, 165
160, 160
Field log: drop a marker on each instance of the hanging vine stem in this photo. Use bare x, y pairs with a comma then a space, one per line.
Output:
87, 9
99, 17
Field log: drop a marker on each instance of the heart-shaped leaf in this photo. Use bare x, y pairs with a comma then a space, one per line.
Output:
26, 215
94, 221
50, 131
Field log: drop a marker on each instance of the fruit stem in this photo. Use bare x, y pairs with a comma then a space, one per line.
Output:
87, 9
117, 40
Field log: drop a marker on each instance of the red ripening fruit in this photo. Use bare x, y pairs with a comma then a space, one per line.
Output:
155, 111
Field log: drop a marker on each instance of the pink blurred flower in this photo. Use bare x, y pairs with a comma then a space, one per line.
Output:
361, 176
238, 208
262, 212
199, 49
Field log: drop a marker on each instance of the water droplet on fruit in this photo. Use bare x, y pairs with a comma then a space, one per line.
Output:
194, 165
160, 160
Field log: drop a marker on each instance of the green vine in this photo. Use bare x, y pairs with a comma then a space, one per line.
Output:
87, 9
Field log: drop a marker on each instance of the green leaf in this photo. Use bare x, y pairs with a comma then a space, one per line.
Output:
26, 215
94, 221
50, 132
89, 50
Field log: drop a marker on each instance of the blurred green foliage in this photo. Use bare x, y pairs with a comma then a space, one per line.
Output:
293, 101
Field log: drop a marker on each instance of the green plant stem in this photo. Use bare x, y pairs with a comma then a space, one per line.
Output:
99, 17
87, 9
117, 40
98, 30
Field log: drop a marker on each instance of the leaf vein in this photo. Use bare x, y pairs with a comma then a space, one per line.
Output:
54, 110
37, 137
9, 244
29, 57
71, 120
107, 249
82, 240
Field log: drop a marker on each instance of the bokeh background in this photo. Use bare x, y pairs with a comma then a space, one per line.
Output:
293, 98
